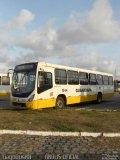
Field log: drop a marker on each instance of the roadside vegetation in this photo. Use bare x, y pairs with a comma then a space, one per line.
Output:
60, 120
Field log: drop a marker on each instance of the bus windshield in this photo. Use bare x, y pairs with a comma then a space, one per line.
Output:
23, 83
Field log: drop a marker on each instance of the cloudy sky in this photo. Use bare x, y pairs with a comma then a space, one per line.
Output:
79, 33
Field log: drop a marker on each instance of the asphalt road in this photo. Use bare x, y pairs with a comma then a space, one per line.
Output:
110, 104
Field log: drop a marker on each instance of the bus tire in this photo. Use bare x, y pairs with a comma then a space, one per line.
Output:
99, 98
60, 103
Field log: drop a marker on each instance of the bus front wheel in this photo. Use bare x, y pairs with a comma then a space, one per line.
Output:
60, 103
99, 98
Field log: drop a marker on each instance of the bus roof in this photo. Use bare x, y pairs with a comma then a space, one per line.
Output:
3, 74
44, 64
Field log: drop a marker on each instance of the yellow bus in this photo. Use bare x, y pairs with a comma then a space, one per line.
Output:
43, 85
5, 82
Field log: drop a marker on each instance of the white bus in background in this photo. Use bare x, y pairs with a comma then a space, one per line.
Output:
118, 90
43, 85
117, 86
5, 82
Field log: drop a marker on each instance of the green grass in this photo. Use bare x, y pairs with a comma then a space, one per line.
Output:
60, 120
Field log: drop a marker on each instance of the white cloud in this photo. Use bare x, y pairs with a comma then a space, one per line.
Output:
20, 21
98, 26
92, 60
5, 59
3, 40
41, 39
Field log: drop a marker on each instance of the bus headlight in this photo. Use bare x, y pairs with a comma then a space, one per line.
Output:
31, 98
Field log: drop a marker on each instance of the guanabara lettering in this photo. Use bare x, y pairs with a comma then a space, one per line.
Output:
84, 90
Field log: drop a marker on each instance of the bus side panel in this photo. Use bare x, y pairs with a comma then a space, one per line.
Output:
108, 92
108, 95
41, 103
82, 98
73, 99
4, 91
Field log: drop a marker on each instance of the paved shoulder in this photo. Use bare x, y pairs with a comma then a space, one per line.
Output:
48, 147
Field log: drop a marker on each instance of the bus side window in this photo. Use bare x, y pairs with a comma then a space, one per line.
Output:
83, 77
60, 76
105, 80
92, 78
110, 80
99, 79
5, 80
73, 77
44, 81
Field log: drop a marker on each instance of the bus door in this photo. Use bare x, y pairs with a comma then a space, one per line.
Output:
44, 89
